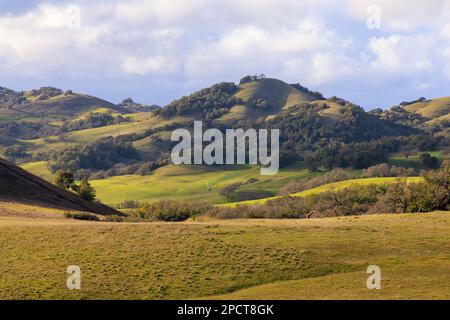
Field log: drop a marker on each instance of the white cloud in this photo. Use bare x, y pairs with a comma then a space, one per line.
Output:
403, 15
321, 68
151, 65
403, 54
317, 42
386, 53
137, 12
302, 50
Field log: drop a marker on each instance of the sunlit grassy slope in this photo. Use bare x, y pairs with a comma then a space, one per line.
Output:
431, 109
40, 169
200, 183
291, 259
276, 93
69, 105
328, 187
140, 123
440, 120
203, 183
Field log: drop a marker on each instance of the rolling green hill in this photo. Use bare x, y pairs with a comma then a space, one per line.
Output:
35, 128
199, 183
123, 148
51, 102
276, 92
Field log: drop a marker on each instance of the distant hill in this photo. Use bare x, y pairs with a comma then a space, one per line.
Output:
132, 106
273, 91
21, 186
99, 139
431, 109
436, 112
265, 97
426, 114
49, 101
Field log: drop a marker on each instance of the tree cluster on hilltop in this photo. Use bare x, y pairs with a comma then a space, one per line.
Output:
209, 103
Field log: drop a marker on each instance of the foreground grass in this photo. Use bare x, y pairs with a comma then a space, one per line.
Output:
428, 280
323, 258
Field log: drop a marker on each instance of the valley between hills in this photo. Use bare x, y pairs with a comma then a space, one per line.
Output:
146, 229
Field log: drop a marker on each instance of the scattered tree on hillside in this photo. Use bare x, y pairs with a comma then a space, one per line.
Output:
16, 151
407, 103
65, 179
315, 94
440, 179
248, 79
385, 170
86, 191
428, 162
210, 103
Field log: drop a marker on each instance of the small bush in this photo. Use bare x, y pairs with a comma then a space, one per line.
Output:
81, 216
428, 162
129, 204
385, 170
114, 219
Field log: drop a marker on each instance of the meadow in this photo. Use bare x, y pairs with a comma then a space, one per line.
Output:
258, 259
200, 183
413, 160
203, 183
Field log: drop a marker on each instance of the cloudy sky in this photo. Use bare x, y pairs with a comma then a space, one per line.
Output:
376, 53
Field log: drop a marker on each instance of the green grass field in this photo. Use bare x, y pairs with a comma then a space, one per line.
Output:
412, 161
190, 183
200, 183
40, 169
260, 259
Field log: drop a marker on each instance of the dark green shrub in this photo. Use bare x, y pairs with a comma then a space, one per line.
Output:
114, 219
81, 216
171, 211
